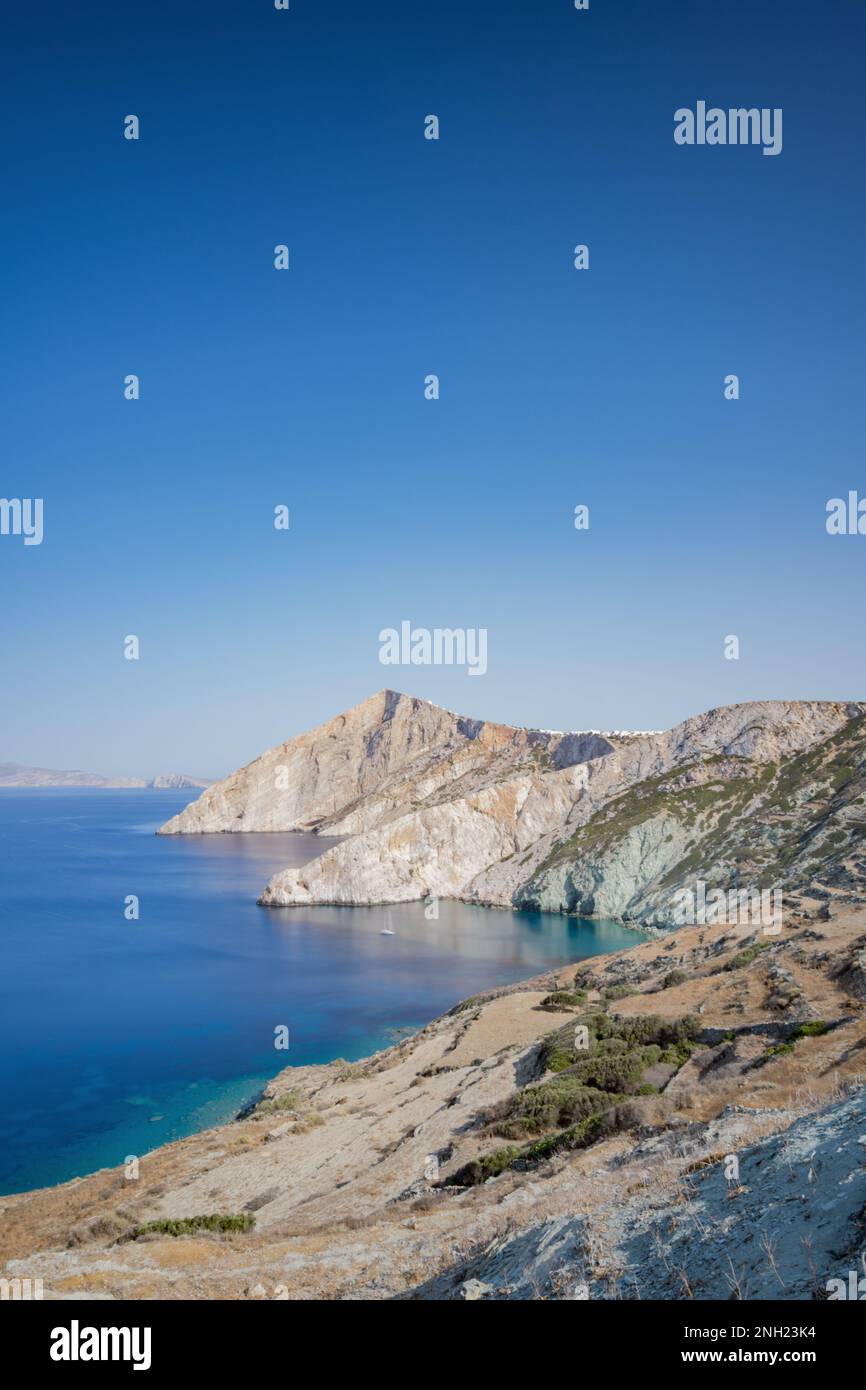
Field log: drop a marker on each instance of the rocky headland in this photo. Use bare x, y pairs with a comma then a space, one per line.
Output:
616, 824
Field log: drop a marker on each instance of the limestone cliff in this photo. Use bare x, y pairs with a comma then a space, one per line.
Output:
767, 794
382, 758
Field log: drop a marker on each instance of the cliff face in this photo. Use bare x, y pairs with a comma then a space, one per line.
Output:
380, 759
780, 803
767, 794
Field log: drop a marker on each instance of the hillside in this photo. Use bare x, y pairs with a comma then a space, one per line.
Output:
488, 1158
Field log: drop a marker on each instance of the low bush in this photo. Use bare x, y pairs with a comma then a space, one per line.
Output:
810, 1030
673, 978
563, 1000
588, 1090
815, 1029
611, 993
193, 1225
289, 1100
487, 1166
551, 1105
747, 956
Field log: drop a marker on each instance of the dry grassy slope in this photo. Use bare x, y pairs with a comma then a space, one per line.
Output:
343, 1209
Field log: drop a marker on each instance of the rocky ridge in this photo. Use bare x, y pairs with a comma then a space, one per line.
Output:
433, 804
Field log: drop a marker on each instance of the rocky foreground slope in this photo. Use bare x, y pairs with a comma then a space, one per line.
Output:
705, 1138
432, 804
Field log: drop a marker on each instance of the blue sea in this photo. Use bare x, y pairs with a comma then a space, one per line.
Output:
119, 1035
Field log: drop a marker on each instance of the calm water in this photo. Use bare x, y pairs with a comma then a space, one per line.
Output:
118, 1035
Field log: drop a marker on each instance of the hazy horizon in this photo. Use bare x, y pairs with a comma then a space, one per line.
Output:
471, 713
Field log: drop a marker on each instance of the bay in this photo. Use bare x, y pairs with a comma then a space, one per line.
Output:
118, 1035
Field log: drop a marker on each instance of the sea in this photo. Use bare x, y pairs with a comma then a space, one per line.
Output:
145, 996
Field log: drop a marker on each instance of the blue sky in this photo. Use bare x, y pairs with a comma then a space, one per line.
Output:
408, 257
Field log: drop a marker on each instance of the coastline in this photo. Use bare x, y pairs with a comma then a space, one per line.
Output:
169, 1017
331, 1171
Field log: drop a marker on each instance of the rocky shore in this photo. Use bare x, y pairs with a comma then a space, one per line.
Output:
485, 1158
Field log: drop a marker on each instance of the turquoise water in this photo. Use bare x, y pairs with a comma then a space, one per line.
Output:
120, 1035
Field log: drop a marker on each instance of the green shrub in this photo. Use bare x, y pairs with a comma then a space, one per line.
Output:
471, 1003
290, 1100
677, 1054
558, 1051
673, 978
610, 993
619, 1035
487, 1166
815, 1029
778, 1050
578, 1136
615, 1072
747, 956
810, 1030
550, 1105
354, 1071
563, 1000
587, 1091
191, 1225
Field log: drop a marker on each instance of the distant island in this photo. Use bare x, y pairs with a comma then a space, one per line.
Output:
16, 775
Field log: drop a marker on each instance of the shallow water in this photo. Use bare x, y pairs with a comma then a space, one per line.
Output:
120, 1035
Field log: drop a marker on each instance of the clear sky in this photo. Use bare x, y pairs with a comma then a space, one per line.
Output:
408, 257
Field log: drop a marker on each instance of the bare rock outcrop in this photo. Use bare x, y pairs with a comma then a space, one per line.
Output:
434, 803
378, 760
